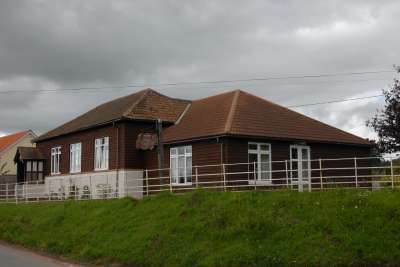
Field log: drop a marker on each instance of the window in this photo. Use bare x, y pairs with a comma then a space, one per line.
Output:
181, 165
55, 160
34, 171
259, 162
101, 154
75, 158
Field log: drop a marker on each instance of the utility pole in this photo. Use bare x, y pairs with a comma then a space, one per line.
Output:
160, 149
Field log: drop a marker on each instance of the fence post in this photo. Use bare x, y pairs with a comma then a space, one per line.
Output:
49, 189
287, 174
309, 171
6, 192
320, 173
69, 188
224, 175
37, 185
126, 185
107, 194
170, 181
91, 189
26, 189
76, 188
355, 171
291, 174
255, 175
391, 171
16, 193
197, 177
147, 182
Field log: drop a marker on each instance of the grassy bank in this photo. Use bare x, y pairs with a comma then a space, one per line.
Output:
216, 229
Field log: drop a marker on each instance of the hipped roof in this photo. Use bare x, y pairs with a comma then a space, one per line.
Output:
238, 113
235, 113
143, 105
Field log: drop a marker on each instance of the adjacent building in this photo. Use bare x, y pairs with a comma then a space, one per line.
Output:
8, 148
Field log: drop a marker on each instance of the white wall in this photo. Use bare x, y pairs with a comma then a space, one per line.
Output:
108, 184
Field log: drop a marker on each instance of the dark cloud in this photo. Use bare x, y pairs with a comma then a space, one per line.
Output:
63, 44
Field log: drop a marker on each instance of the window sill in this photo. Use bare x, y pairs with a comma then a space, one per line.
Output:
260, 182
99, 170
75, 172
186, 184
55, 173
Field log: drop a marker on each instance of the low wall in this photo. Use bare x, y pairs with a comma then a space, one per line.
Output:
96, 185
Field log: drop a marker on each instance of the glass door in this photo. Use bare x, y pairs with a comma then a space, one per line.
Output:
300, 166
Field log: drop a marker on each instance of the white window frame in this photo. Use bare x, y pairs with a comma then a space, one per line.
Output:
75, 158
174, 157
55, 160
300, 165
260, 152
101, 153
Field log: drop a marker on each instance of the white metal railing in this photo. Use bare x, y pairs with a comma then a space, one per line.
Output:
316, 174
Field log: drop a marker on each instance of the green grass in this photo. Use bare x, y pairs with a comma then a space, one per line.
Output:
336, 228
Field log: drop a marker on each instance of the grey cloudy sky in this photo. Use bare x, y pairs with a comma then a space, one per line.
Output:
68, 44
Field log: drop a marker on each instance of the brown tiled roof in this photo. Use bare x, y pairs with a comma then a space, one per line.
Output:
25, 153
143, 105
239, 113
205, 117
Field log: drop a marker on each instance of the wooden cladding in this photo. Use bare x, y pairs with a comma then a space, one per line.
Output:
123, 153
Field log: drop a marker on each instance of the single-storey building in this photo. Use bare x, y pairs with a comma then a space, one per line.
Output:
234, 137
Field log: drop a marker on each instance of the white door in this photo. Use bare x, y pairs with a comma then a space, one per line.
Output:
300, 167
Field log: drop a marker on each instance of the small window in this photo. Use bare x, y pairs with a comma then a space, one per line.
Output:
34, 166
55, 160
101, 154
75, 157
29, 166
34, 171
40, 166
181, 165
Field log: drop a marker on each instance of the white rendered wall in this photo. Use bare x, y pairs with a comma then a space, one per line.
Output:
107, 184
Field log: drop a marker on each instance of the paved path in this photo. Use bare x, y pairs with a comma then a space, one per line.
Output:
15, 257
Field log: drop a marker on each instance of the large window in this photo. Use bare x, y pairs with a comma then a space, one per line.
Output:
181, 165
101, 154
259, 162
75, 158
55, 160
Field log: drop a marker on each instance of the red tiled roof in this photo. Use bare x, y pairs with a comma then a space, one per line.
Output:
239, 113
8, 140
143, 105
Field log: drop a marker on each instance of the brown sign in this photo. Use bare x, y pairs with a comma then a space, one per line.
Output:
146, 141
